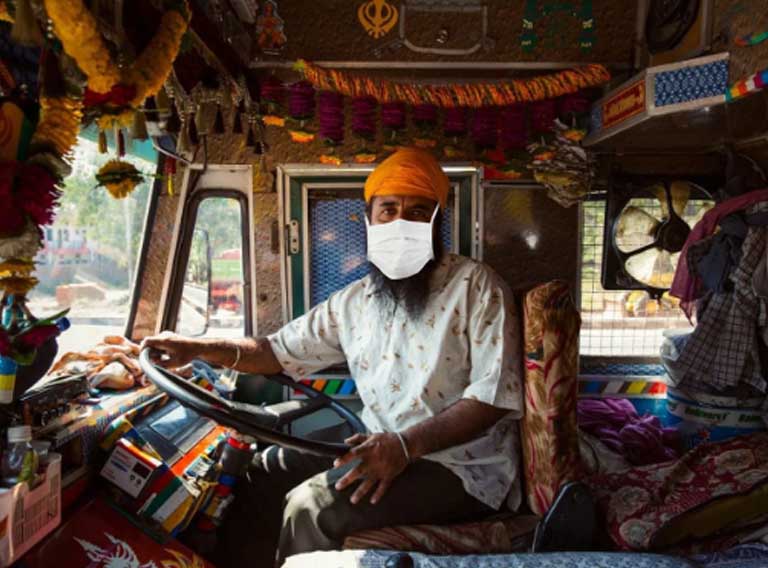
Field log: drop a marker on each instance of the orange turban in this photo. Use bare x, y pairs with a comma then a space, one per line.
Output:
409, 171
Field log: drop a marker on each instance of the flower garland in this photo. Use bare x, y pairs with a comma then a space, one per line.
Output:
117, 91
119, 178
456, 94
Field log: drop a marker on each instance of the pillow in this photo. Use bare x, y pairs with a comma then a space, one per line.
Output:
713, 489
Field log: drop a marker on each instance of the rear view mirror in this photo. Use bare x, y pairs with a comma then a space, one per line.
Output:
195, 308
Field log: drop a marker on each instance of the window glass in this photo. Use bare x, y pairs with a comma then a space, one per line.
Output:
625, 322
90, 253
212, 301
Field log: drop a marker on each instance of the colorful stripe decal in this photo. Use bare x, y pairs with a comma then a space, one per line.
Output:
338, 387
632, 387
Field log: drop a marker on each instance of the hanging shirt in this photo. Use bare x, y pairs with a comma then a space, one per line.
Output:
465, 345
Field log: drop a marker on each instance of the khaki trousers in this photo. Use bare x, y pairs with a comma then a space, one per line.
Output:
288, 505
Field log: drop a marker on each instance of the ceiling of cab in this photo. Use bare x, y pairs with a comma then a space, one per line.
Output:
275, 31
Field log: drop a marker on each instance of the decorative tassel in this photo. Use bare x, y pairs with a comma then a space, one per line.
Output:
25, 30
163, 102
173, 124
200, 120
139, 129
150, 108
169, 169
218, 123
250, 140
194, 139
182, 142
120, 143
103, 149
237, 125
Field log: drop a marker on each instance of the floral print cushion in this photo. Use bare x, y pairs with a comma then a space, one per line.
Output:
550, 437
713, 489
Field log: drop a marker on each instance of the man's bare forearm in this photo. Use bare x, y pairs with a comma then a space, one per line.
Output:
256, 355
457, 424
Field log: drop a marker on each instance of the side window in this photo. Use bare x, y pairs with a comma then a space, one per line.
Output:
212, 297
626, 323
93, 276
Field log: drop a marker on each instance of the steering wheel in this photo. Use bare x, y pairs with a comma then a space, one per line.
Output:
261, 422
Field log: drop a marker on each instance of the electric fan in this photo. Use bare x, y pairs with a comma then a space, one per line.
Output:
646, 226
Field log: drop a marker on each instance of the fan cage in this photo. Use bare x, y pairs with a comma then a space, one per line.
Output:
619, 323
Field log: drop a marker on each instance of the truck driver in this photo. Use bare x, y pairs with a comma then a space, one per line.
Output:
432, 342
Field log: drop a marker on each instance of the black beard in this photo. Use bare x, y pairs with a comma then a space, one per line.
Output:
411, 293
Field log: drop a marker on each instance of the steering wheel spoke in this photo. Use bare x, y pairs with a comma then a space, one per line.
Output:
261, 422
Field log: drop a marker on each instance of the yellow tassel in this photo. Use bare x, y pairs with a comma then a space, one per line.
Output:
103, 149
25, 30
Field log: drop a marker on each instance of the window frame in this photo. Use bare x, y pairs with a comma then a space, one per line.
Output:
150, 216
182, 250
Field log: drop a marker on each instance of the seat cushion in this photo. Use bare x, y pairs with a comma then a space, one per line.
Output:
550, 435
504, 534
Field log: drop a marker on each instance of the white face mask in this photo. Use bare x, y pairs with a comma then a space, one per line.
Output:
400, 248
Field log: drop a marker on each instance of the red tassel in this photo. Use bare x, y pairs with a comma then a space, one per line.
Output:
170, 166
120, 143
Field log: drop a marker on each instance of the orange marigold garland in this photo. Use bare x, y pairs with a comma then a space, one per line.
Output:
473, 95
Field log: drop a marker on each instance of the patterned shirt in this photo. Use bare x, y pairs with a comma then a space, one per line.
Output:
465, 345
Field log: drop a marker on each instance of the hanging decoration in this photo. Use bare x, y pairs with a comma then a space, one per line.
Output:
119, 178
273, 95
393, 123
750, 40
565, 168
456, 94
114, 93
543, 115
424, 118
270, 29
746, 86
454, 128
513, 139
377, 17
557, 13
364, 127
330, 111
301, 108
485, 127
29, 182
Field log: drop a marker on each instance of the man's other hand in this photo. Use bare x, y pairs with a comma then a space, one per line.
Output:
179, 350
381, 460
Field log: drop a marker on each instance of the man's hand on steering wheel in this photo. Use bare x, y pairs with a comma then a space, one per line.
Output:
179, 349
381, 460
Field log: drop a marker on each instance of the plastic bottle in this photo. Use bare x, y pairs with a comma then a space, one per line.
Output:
20, 459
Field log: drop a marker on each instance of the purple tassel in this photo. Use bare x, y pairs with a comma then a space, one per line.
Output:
543, 115
485, 127
455, 121
424, 115
393, 115
513, 131
301, 100
330, 112
364, 116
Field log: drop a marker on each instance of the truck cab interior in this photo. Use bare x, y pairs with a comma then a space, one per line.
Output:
201, 167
